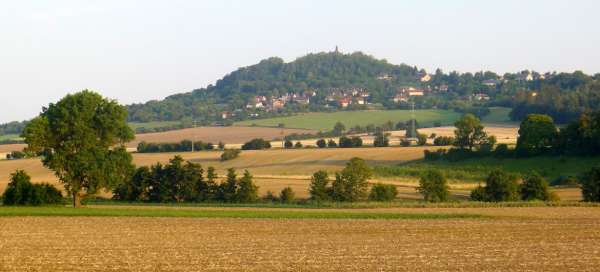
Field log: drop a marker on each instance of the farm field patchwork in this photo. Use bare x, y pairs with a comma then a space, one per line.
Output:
507, 239
326, 121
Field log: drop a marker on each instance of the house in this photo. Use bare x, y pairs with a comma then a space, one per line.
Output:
491, 82
443, 88
425, 78
277, 104
302, 100
360, 100
525, 76
481, 97
226, 115
399, 98
310, 93
344, 102
384, 77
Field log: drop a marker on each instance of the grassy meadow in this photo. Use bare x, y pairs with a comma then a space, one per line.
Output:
325, 121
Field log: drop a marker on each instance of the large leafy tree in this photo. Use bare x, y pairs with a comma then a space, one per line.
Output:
536, 133
351, 184
81, 138
469, 132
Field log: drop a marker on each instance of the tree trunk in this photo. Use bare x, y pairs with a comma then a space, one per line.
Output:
76, 200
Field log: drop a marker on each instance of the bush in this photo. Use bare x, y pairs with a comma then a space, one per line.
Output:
590, 185
16, 155
256, 144
271, 197
435, 155
319, 190
499, 186
534, 187
478, 194
443, 141
20, 191
346, 142
185, 145
381, 140
351, 183
383, 192
433, 186
321, 143
230, 154
288, 144
421, 139
331, 143
502, 151
298, 145
287, 195
405, 142
568, 181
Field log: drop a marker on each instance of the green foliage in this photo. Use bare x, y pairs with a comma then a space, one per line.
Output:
536, 134
404, 142
381, 139
383, 192
20, 191
354, 141
256, 144
298, 145
534, 187
81, 138
319, 190
287, 195
288, 144
469, 132
183, 146
421, 139
411, 129
590, 185
443, 141
338, 129
331, 143
321, 143
499, 186
434, 187
351, 183
230, 154
247, 191
581, 137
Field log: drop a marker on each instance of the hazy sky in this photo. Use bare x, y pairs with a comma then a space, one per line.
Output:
136, 51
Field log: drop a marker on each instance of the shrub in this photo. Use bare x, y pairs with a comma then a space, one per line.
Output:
346, 142
381, 140
287, 195
221, 146
590, 185
499, 186
256, 144
421, 139
288, 144
569, 181
271, 197
230, 154
16, 155
443, 141
298, 145
20, 191
405, 142
247, 191
433, 186
331, 143
321, 143
318, 186
478, 194
502, 151
534, 187
434, 155
185, 145
383, 192
351, 183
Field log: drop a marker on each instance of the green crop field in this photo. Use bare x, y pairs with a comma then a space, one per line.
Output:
476, 170
498, 115
10, 137
149, 125
326, 121
221, 213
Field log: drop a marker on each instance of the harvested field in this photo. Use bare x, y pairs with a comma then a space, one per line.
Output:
516, 239
226, 135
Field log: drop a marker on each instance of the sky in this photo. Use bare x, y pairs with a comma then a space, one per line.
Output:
135, 51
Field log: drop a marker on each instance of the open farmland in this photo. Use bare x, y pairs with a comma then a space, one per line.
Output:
507, 239
325, 121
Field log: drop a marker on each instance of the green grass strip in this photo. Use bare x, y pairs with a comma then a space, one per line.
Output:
268, 214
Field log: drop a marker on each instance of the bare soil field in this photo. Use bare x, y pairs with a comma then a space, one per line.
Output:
514, 239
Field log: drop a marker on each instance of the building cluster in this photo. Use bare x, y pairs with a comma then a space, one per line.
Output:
275, 103
344, 97
405, 93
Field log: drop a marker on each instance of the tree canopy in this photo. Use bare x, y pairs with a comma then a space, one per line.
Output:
81, 138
